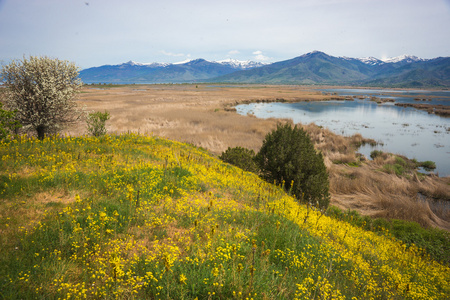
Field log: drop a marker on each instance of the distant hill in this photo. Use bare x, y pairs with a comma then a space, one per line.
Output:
190, 71
312, 68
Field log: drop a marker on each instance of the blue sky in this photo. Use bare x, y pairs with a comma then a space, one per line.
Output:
97, 32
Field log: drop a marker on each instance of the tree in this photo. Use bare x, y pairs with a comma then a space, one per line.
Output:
240, 157
41, 90
287, 157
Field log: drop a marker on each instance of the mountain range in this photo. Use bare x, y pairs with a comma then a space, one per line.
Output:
312, 68
188, 71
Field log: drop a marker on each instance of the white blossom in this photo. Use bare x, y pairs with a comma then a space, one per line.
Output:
42, 90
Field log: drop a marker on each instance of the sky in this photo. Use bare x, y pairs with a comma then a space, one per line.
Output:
99, 32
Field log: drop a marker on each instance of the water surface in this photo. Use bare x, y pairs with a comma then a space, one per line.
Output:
406, 131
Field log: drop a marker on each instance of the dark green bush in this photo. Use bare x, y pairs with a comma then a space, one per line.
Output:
240, 157
287, 157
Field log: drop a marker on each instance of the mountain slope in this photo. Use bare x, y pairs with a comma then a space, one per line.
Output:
190, 71
314, 67
419, 73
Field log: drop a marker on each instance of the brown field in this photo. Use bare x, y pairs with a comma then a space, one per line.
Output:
203, 116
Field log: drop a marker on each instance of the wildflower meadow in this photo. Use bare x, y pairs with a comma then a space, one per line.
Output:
140, 217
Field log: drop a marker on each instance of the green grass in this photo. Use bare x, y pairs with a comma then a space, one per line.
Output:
428, 165
403, 166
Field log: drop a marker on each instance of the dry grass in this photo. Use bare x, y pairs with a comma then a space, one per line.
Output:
202, 116
376, 193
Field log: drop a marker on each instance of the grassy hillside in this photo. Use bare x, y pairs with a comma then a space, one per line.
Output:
134, 217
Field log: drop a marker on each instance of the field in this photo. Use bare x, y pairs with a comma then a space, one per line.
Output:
150, 212
202, 115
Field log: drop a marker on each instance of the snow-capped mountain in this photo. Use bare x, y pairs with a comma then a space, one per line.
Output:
403, 58
182, 62
391, 60
373, 61
151, 65
234, 63
320, 68
184, 71
241, 64
311, 68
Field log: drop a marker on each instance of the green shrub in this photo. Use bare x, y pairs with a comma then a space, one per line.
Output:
428, 165
400, 161
404, 166
375, 153
287, 157
394, 169
240, 157
8, 123
96, 123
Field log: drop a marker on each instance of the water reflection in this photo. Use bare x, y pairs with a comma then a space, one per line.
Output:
406, 131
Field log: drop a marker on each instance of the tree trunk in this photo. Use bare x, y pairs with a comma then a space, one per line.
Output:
40, 132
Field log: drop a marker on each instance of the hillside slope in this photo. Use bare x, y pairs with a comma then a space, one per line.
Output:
431, 73
136, 216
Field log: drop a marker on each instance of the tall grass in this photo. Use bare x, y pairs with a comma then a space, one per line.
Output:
134, 216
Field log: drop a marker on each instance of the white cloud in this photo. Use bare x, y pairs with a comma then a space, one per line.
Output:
233, 52
173, 54
260, 56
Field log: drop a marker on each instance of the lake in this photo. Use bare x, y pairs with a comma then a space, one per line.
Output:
402, 130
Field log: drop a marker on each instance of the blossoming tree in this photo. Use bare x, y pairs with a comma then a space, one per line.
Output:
42, 90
